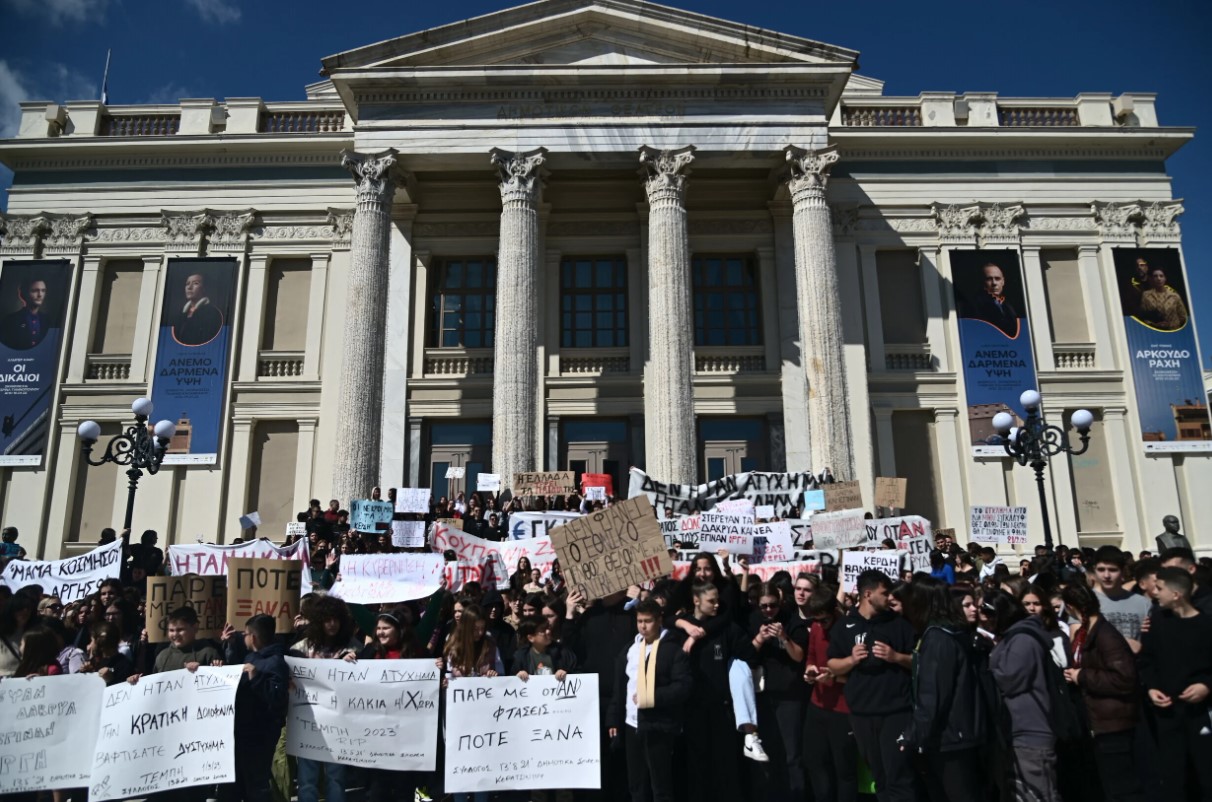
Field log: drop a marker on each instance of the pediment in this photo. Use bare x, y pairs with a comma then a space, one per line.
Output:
589, 32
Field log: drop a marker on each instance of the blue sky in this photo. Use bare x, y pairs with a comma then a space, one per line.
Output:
164, 50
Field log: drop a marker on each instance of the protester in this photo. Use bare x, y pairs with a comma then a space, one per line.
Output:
394, 639
830, 751
780, 637
104, 659
39, 654
1122, 609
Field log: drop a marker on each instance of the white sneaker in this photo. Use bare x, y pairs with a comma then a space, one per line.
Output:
753, 749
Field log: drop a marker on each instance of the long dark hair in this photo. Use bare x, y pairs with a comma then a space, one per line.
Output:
1002, 610
323, 608
39, 649
929, 603
8, 615
685, 594
407, 636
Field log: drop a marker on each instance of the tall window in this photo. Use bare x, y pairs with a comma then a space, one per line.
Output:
464, 303
593, 303
727, 310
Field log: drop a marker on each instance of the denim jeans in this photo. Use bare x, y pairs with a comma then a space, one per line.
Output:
309, 781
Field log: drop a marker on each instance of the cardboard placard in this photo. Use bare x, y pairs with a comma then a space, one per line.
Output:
455, 473
843, 529
611, 549
843, 496
256, 585
413, 499
544, 483
453, 523
890, 492
207, 595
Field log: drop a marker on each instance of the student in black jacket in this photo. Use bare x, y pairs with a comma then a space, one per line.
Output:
541, 654
872, 649
949, 720
261, 699
652, 682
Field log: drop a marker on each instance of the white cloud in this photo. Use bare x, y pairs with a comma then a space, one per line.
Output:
168, 93
54, 82
216, 11
60, 11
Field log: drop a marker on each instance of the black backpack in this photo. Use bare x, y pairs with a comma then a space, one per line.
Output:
1068, 709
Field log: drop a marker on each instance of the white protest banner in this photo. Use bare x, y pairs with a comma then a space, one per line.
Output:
595, 493
385, 578
455, 473
370, 713
735, 506
297, 529
408, 534
502, 556
539, 551
911, 533
999, 524
506, 734
855, 562
843, 529
488, 482
801, 532
170, 730
783, 491
465, 546
681, 529
765, 511
724, 531
772, 542
762, 571
537, 524
365, 514
72, 579
412, 499
51, 732
210, 559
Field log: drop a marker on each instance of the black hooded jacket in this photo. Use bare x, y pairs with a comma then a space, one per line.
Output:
948, 708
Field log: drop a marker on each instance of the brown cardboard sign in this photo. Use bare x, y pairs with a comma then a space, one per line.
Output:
256, 586
452, 523
612, 549
890, 492
544, 483
206, 594
843, 496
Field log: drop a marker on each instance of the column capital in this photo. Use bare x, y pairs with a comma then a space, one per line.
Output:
520, 174
374, 174
665, 172
808, 171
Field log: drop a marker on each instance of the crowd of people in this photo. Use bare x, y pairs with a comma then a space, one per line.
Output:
1084, 675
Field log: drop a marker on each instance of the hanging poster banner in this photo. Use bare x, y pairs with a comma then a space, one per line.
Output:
1170, 396
49, 731
998, 525
72, 579
33, 303
995, 341
364, 714
211, 559
169, 730
192, 355
785, 492
543, 734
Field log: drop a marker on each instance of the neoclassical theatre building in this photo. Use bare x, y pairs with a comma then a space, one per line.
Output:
592, 234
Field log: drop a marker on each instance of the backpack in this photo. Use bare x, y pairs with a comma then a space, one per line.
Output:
1068, 709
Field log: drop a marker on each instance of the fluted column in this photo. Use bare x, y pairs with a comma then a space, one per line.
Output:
515, 355
360, 404
819, 305
669, 383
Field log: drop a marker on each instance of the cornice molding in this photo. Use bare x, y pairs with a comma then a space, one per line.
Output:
580, 96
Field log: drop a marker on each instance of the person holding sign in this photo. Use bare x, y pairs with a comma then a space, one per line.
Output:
652, 683
779, 637
261, 700
184, 650
543, 655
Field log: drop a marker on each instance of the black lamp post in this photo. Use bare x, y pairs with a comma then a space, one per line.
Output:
1035, 442
137, 447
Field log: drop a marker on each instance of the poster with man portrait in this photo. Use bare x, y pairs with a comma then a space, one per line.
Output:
1156, 307
33, 305
995, 341
192, 356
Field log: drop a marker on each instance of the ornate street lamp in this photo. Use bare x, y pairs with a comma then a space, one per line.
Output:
1035, 442
137, 447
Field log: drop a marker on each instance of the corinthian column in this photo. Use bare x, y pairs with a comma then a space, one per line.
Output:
360, 409
515, 356
669, 383
819, 307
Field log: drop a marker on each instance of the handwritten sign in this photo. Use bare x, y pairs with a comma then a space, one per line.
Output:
605, 480
408, 534
762, 572
386, 578
72, 579
171, 730
999, 524
719, 530
296, 529
207, 595
843, 496
766, 512
369, 713
801, 532
911, 533
611, 549
523, 525
890, 493
49, 731
783, 491
413, 499
595, 493
544, 483
855, 562
453, 523
843, 529
488, 482
365, 515
772, 542
814, 500
682, 529
455, 473
256, 585
506, 734
210, 559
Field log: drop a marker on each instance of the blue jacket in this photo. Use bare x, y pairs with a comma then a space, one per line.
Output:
261, 701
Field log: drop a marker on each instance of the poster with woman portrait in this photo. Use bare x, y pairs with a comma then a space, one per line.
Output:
995, 341
33, 304
192, 356
1170, 397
